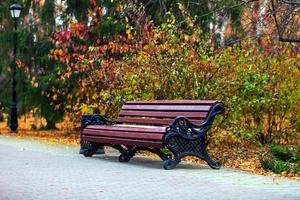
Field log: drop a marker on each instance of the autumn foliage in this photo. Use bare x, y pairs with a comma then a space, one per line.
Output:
258, 82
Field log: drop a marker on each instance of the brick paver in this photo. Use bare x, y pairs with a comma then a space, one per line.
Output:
33, 170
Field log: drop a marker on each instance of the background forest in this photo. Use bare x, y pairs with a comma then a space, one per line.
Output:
78, 57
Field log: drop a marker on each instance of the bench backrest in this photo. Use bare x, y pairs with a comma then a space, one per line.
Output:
163, 112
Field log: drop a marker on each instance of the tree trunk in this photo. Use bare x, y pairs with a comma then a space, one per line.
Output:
261, 21
1, 117
50, 124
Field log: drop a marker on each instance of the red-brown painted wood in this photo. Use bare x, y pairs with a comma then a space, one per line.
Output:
197, 115
157, 112
149, 121
167, 107
122, 134
128, 128
132, 142
172, 102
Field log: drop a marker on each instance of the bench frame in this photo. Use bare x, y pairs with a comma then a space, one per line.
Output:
182, 138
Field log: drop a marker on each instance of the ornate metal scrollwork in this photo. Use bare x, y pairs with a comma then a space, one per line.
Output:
126, 156
185, 138
183, 127
89, 148
93, 120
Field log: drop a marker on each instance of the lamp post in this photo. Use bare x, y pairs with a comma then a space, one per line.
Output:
15, 11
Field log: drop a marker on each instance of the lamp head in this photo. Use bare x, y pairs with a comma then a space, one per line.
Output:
15, 11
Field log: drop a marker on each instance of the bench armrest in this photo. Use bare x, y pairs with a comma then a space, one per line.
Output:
94, 120
189, 130
218, 108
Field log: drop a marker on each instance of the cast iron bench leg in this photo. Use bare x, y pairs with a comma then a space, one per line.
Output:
183, 138
181, 147
131, 151
90, 148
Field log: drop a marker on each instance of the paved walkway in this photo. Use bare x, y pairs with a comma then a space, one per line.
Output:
33, 170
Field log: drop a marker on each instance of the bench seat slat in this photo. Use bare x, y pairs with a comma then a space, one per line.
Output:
122, 134
123, 141
196, 115
167, 107
128, 128
173, 102
149, 121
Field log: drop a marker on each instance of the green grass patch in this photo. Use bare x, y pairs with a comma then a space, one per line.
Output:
281, 158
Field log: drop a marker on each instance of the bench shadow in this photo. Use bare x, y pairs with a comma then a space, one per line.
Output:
148, 162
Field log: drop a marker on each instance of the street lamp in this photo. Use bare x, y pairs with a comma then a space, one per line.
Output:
15, 11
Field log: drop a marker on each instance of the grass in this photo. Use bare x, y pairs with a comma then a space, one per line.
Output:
281, 159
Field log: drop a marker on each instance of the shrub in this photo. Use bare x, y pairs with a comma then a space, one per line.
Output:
281, 152
275, 165
297, 156
280, 166
260, 86
297, 168
280, 159
260, 94
267, 161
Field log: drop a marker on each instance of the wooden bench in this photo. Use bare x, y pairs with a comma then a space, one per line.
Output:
178, 125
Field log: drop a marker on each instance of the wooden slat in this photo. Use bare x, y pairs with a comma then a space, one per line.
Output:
144, 121
121, 134
123, 141
149, 121
173, 102
128, 128
199, 115
166, 108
